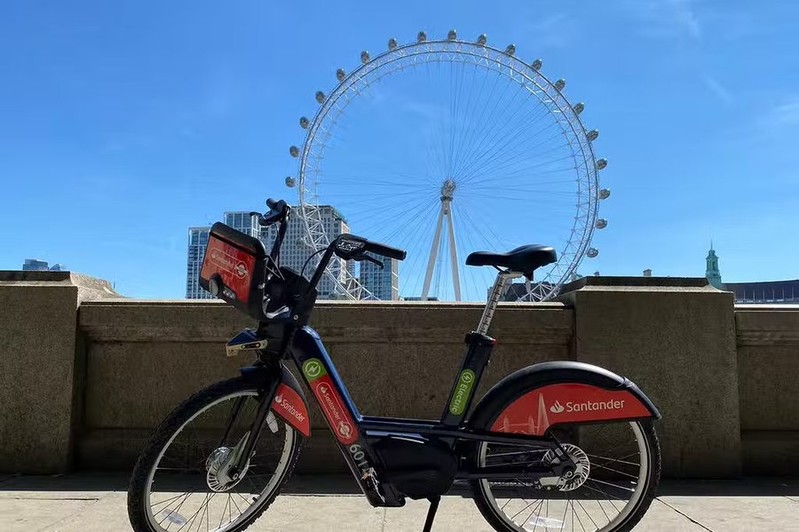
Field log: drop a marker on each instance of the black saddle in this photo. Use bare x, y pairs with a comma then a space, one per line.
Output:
523, 259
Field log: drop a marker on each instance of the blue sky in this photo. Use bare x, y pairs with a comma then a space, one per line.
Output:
124, 123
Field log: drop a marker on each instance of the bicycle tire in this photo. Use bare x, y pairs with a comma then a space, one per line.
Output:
170, 427
489, 510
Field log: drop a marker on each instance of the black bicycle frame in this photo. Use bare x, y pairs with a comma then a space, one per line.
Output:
353, 430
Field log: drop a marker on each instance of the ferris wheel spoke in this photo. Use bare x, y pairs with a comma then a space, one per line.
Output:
464, 120
481, 118
400, 234
509, 162
488, 157
536, 191
490, 237
492, 138
511, 166
381, 213
455, 93
364, 181
498, 104
488, 111
495, 139
420, 212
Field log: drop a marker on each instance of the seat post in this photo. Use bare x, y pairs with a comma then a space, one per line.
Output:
493, 299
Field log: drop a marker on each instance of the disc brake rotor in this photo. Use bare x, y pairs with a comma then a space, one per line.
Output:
571, 480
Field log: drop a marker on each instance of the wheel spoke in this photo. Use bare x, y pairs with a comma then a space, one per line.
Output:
593, 504
180, 474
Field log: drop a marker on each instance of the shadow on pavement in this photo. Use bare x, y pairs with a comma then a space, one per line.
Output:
340, 485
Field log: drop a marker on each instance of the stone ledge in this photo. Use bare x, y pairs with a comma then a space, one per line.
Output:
114, 320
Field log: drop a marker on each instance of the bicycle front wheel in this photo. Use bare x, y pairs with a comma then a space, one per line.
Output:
181, 479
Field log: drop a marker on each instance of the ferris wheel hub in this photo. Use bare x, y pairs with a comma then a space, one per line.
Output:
448, 190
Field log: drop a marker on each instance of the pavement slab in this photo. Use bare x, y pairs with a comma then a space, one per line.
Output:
89, 502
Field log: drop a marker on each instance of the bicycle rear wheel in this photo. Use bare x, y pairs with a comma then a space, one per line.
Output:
180, 480
618, 469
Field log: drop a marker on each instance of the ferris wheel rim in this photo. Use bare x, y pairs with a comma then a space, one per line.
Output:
572, 128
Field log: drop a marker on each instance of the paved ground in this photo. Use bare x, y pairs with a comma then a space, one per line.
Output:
91, 502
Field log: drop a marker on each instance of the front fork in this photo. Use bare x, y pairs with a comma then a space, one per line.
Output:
265, 398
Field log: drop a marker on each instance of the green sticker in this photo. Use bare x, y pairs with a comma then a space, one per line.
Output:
313, 369
462, 392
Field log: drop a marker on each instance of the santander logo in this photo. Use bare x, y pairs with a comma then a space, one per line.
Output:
587, 406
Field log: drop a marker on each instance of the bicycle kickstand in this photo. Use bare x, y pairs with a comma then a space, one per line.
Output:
431, 513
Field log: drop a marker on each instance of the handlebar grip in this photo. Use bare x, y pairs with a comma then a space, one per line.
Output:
386, 251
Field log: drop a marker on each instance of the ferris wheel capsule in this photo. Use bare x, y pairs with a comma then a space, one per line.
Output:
592, 253
579, 108
560, 84
340, 74
482, 39
364, 57
290, 182
392, 44
601, 164
537, 64
592, 135
601, 223
294, 151
452, 35
511, 49
320, 96
304, 123
604, 193
421, 37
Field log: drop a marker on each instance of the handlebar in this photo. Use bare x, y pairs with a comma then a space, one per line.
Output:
385, 251
278, 210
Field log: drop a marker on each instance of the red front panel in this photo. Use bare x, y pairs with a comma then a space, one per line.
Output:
536, 411
336, 414
289, 405
232, 264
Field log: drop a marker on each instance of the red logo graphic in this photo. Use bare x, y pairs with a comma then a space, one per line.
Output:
232, 265
241, 270
568, 403
337, 416
289, 405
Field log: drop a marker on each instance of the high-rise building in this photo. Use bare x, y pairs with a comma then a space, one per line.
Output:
293, 253
198, 239
244, 222
36, 265
381, 283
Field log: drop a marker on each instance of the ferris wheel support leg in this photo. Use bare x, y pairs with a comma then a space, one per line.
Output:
431, 263
453, 255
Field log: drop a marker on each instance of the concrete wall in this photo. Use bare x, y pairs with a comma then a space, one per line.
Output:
768, 362
85, 388
143, 358
40, 364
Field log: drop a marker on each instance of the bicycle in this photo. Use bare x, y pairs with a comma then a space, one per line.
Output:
553, 445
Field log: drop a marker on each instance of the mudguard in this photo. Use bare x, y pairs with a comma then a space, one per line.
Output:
538, 397
289, 403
